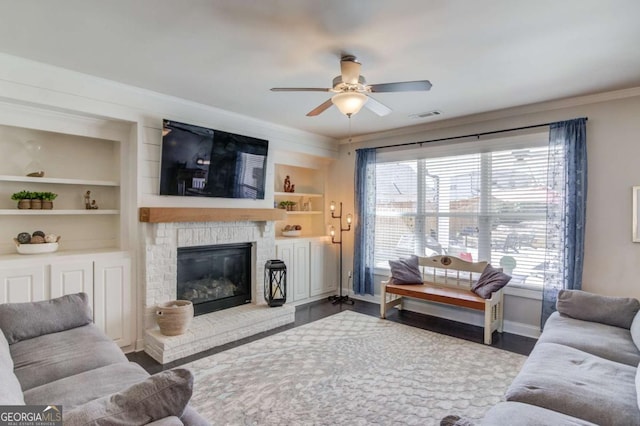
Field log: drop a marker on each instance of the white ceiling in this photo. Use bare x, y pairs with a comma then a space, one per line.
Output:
479, 55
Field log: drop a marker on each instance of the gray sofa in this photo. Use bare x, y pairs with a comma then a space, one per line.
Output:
582, 371
52, 354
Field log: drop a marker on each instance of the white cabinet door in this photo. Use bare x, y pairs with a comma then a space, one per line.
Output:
18, 285
316, 267
323, 267
112, 299
300, 271
72, 277
331, 253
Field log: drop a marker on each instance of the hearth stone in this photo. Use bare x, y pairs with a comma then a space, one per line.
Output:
215, 329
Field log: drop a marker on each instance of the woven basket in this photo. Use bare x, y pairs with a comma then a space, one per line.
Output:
174, 317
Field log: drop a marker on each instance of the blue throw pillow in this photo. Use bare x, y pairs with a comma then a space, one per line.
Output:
405, 271
492, 279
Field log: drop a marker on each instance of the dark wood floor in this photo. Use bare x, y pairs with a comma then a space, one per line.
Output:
317, 310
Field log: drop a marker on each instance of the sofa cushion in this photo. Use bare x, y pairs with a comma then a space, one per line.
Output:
73, 390
21, 321
606, 341
54, 356
518, 414
162, 395
10, 390
405, 271
578, 384
616, 311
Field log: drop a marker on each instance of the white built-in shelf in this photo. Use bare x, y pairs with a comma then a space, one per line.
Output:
61, 181
53, 212
298, 194
303, 212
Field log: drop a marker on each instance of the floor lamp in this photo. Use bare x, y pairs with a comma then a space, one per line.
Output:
340, 298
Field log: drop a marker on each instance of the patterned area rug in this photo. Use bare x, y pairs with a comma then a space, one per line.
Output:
351, 369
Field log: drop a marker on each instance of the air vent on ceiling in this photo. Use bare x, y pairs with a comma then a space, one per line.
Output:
426, 114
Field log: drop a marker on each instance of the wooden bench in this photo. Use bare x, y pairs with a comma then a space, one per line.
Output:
449, 281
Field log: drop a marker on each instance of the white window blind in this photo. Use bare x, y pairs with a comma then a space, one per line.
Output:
485, 200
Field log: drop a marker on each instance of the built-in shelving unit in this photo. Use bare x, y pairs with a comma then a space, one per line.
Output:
83, 155
308, 196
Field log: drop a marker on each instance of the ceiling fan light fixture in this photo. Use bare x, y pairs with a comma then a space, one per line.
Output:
349, 103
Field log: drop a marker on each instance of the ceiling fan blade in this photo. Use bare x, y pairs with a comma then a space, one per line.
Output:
299, 89
377, 107
350, 70
320, 108
405, 86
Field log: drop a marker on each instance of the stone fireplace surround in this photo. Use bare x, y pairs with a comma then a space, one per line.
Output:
217, 328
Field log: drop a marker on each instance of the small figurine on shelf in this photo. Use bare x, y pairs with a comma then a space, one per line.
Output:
89, 204
288, 187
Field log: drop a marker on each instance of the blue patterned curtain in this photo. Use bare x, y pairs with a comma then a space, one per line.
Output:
568, 182
365, 213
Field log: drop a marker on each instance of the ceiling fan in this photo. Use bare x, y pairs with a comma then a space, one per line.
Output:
352, 91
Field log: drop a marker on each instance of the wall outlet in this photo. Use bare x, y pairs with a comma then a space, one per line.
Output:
349, 274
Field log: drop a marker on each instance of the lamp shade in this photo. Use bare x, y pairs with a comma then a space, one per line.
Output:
349, 102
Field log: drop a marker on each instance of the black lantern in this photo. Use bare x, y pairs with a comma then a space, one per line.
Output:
275, 282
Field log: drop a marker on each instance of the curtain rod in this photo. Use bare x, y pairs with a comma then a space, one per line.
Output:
477, 135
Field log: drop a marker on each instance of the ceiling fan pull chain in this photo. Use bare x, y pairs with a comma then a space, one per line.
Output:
349, 148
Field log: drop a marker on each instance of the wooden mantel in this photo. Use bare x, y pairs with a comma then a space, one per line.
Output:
188, 214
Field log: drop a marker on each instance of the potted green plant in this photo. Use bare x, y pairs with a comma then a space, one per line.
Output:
23, 198
47, 199
287, 205
36, 201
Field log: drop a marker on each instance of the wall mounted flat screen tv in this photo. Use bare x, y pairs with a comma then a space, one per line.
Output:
202, 162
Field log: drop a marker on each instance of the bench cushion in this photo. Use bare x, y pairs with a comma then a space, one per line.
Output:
490, 281
405, 271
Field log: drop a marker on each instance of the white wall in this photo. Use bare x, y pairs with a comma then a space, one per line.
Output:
612, 261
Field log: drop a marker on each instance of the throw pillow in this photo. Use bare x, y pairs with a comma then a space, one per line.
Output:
616, 311
491, 280
22, 321
162, 395
405, 271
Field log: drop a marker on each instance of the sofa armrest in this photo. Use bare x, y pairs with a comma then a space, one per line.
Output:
616, 311
167, 421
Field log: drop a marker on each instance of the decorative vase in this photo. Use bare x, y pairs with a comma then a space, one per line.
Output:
24, 204
36, 204
174, 317
47, 205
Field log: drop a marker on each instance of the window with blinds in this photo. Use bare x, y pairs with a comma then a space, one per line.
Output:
480, 201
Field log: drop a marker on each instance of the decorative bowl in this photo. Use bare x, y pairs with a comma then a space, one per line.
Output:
295, 233
36, 248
